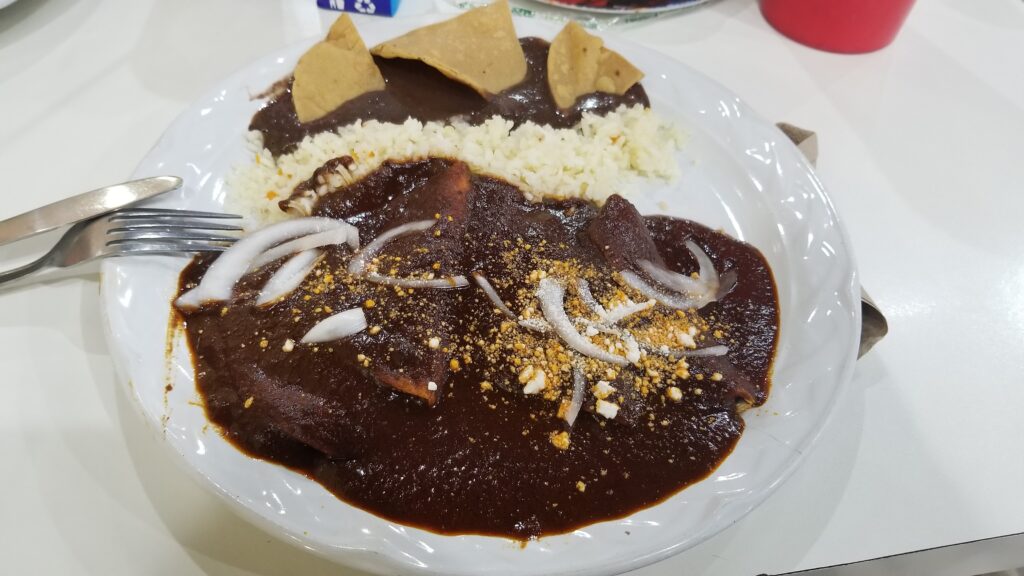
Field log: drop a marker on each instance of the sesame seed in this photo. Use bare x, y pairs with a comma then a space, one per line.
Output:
560, 440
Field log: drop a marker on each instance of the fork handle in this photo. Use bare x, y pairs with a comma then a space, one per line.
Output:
20, 271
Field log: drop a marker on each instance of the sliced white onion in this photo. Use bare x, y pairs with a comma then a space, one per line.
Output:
671, 300
703, 290
717, 350
707, 273
234, 262
601, 327
612, 316
578, 386
535, 324
289, 276
492, 294
674, 280
446, 282
623, 311
632, 348
340, 325
358, 264
726, 283
552, 303
583, 289
346, 233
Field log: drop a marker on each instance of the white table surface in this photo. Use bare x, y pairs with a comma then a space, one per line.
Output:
921, 150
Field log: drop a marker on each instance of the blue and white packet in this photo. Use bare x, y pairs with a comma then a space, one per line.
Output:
374, 7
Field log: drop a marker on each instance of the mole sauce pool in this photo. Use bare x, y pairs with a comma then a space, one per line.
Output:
477, 455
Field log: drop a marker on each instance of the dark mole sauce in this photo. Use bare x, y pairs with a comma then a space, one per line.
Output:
477, 461
415, 90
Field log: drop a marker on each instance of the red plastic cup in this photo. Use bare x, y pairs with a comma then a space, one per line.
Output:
847, 26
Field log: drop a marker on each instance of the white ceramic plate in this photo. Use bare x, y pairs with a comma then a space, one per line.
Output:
741, 174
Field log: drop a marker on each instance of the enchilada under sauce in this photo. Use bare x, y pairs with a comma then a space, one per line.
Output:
448, 414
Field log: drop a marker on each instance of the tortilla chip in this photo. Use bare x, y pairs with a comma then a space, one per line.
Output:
615, 74
578, 64
478, 48
344, 35
333, 72
573, 60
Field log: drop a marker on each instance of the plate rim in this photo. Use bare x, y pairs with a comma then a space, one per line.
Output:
675, 5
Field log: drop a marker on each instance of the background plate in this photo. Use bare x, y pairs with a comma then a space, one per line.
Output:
740, 174
617, 7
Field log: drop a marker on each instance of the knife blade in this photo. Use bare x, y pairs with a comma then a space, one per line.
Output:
84, 206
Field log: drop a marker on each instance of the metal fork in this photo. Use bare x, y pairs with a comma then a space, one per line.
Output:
134, 231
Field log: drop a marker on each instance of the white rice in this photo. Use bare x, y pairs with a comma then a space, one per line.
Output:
600, 156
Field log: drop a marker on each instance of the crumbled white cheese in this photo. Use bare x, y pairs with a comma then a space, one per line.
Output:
603, 389
536, 383
432, 386
674, 393
607, 409
686, 339
434, 342
525, 374
289, 345
590, 331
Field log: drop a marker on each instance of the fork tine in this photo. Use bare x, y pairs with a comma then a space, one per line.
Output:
164, 237
167, 231
157, 247
133, 213
167, 251
130, 225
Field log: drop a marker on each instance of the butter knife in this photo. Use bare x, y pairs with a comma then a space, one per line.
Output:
84, 206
